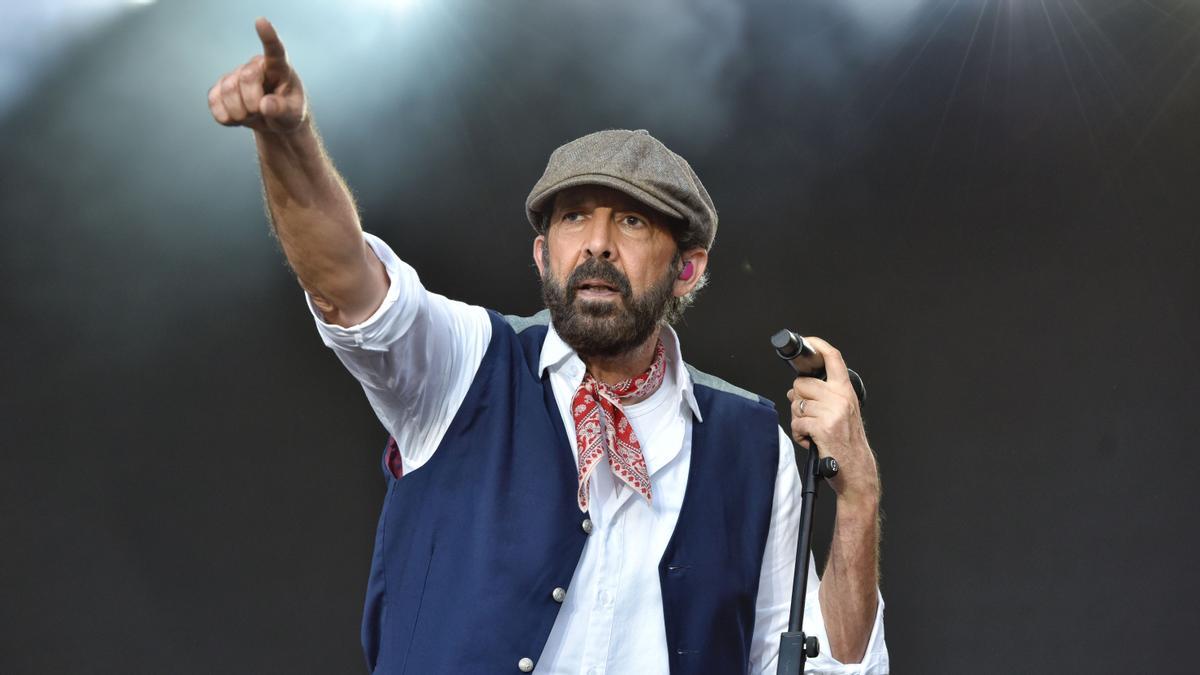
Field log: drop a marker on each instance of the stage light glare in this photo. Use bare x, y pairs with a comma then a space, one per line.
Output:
390, 6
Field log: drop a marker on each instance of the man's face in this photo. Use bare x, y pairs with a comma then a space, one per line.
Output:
609, 265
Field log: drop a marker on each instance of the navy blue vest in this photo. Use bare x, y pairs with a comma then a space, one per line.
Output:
470, 546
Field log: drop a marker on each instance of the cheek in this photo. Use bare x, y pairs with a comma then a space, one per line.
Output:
554, 258
561, 267
652, 268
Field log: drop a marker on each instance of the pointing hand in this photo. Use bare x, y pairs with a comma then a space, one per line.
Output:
264, 94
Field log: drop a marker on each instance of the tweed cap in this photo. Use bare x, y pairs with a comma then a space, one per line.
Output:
635, 163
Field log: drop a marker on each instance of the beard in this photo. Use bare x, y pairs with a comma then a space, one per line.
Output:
604, 328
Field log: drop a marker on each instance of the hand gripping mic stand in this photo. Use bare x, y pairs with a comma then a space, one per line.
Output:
794, 645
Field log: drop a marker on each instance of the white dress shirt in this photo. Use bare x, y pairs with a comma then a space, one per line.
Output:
416, 357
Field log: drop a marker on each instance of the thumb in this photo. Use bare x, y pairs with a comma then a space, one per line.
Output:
280, 115
270, 106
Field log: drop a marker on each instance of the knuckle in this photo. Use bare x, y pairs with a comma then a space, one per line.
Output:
826, 345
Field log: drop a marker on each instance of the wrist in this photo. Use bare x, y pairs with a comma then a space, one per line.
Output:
862, 501
301, 140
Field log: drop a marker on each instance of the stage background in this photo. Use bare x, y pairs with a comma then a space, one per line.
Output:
989, 206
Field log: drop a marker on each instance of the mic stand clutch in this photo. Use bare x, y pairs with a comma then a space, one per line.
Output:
794, 645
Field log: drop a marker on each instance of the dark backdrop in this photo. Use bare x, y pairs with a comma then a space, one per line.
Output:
990, 207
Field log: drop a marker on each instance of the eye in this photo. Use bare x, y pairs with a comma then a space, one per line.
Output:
633, 221
571, 217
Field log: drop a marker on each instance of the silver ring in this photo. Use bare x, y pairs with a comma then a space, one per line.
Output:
803, 402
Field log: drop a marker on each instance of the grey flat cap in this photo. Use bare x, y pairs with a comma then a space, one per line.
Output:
635, 163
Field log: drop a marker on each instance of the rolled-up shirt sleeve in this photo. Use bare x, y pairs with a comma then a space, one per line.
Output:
415, 356
775, 589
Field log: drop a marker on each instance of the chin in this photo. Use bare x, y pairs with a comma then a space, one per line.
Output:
598, 309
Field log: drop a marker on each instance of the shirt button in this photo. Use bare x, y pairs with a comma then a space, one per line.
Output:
559, 594
526, 665
586, 525
605, 599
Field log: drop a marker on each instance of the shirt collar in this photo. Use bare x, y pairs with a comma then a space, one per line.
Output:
557, 354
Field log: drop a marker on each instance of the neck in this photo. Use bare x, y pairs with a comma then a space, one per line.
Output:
613, 369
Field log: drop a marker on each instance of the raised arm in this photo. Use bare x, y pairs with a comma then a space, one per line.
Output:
309, 204
414, 352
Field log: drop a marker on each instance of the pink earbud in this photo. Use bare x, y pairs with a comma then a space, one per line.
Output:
686, 273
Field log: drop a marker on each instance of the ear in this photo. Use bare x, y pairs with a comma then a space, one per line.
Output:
698, 257
538, 243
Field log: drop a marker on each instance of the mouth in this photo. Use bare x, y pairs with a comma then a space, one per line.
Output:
595, 289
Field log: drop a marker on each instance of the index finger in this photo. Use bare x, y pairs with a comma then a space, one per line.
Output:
272, 46
835, 366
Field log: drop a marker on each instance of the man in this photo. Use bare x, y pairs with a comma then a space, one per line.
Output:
566, 495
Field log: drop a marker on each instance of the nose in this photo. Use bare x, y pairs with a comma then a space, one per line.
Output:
599, 242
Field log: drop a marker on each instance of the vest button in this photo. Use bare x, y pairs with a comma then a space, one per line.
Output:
526, 665
559, 594
586, 525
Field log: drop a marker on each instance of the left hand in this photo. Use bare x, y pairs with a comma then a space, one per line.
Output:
832, 419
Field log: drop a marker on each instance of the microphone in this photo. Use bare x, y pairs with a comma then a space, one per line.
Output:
808, 362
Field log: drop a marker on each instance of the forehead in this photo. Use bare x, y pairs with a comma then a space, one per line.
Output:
596, 196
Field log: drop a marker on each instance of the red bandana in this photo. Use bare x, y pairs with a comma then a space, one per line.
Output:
601, 425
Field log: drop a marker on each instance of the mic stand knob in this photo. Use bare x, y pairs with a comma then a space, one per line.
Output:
827, 467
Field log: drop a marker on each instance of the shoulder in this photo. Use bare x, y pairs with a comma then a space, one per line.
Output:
519, 337
738, 418
521, 324
725, 390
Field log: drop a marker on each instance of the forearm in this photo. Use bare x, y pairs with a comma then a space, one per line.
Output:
848, 587
317, 224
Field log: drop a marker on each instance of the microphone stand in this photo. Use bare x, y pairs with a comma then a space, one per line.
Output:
794, 645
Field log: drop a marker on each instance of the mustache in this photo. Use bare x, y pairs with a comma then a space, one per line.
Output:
595, 268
